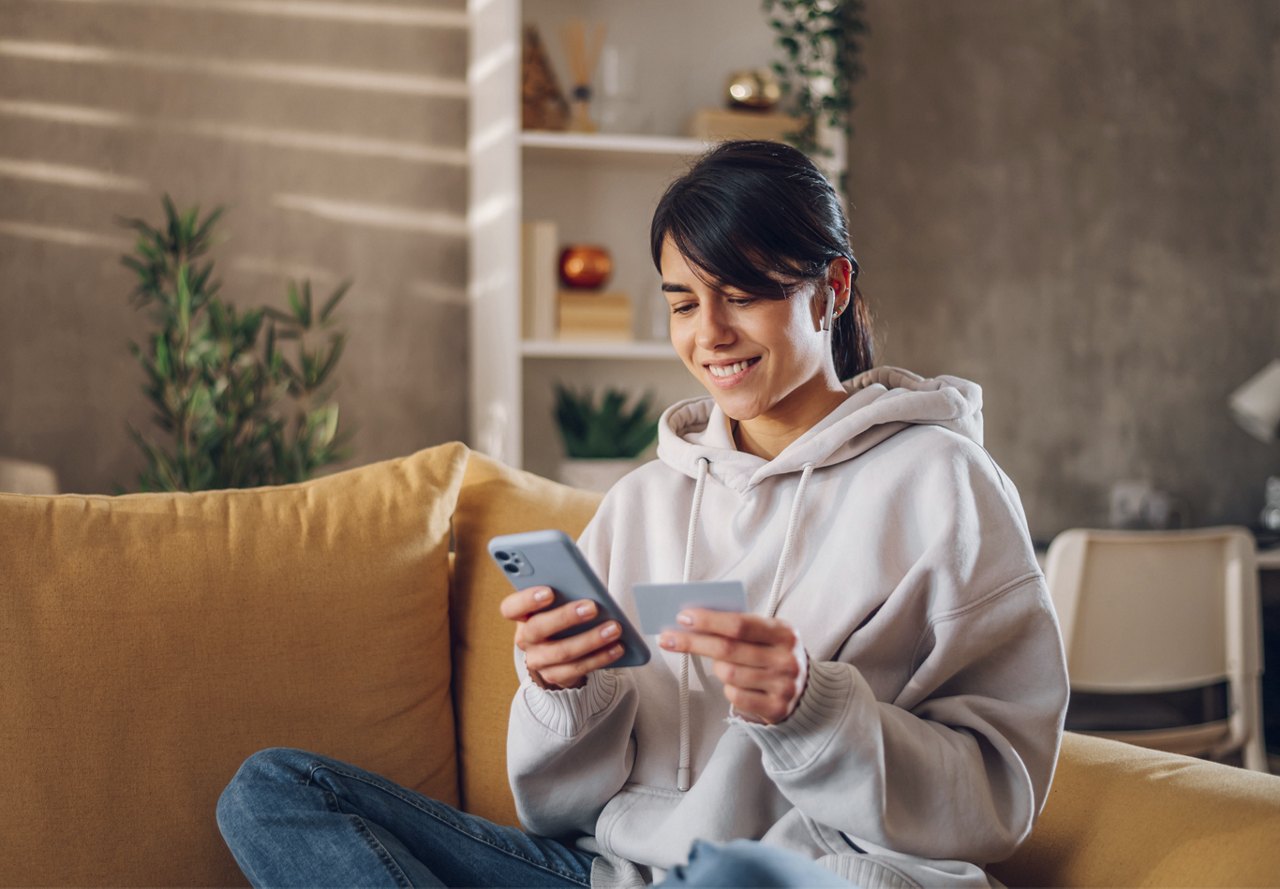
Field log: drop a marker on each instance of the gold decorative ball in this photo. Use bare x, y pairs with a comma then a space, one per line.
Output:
757, 89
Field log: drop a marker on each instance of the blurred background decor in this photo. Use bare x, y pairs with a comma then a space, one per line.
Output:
539, 278
582, 44
1255, 406
750, 110
1270, 517
1044, 197
585, 311
621, 100
585, 266
542, 104
821, 43
337, 131
603, 436
26, 477
756, 89
233, 412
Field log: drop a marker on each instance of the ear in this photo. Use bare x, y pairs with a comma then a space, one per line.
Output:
840, 283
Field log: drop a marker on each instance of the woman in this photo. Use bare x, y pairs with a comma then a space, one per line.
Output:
890, 708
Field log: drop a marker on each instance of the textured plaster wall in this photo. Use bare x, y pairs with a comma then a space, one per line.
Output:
1077, 204
335, 134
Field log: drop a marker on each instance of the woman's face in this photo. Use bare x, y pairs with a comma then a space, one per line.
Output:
761, 359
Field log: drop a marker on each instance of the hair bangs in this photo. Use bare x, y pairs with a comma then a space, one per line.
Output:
729, 243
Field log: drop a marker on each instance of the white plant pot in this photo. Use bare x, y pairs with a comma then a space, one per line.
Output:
594, 475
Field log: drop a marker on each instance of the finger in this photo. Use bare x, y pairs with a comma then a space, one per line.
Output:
544, 655
568, 675
738, 625
522, 603
722, 648
556, 620
784, 683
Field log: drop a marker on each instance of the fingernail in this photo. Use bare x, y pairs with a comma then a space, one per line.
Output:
542, 595
584, 609
685, 618
667, 642
608, 630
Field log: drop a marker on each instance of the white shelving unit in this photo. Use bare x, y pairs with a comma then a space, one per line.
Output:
633, 351
591, 146
598, 188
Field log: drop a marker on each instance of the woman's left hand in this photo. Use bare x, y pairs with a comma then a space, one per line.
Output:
756, 657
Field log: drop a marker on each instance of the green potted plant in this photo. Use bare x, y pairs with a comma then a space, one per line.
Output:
603, 436
236, 409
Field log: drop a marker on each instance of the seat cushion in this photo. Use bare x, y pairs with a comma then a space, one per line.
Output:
495, 499
1119, 815
150, 642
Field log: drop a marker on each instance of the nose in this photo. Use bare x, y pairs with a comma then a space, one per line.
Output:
713, 328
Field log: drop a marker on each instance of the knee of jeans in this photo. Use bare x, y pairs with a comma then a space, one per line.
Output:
259, 783
745, 863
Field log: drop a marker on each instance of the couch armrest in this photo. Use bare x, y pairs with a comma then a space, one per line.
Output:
1119, 815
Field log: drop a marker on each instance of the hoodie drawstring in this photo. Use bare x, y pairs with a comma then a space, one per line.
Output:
684, 770
682, 773
775, 594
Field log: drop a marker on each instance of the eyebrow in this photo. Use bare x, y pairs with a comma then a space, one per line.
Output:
668, 287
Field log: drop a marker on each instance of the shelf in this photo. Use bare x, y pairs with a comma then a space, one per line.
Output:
635, 350
537, 143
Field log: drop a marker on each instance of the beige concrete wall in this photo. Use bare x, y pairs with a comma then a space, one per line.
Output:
1077, 203
335, 134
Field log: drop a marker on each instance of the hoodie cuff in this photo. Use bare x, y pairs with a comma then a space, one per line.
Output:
565, 711
799, 738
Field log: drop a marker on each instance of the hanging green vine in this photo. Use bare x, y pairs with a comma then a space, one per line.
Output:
822, 43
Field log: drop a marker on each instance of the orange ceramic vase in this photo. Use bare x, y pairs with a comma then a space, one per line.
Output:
585, 266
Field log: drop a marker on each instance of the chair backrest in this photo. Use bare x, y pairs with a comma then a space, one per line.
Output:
1152, 611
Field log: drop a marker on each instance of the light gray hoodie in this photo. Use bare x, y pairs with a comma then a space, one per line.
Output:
925, 740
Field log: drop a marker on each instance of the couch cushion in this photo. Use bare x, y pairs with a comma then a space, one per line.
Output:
1119, 815
495, 499
150, 642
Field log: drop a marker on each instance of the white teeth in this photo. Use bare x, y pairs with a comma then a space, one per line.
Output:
728, 370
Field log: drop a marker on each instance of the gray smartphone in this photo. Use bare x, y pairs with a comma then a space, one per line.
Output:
551, 558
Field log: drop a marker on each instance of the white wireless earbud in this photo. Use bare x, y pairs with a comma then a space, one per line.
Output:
830, 311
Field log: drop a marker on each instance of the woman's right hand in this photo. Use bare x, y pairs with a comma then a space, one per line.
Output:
560, 663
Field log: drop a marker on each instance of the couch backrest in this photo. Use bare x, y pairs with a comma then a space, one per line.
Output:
494, 499
150, 642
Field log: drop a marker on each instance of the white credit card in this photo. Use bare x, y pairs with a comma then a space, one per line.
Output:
657, 604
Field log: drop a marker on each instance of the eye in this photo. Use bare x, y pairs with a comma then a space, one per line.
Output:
683, 308
741, 300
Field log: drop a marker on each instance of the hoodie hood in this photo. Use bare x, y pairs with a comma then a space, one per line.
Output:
881, 403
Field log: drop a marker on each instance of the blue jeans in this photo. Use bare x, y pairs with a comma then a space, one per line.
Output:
293, 818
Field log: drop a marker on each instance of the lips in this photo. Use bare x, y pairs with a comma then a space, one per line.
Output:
728, 374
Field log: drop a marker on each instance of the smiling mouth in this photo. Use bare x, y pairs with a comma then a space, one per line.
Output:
724, 371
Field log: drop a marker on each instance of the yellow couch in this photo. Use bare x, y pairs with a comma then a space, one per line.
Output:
148, 643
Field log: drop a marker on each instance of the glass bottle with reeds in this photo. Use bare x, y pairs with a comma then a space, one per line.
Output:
583, 50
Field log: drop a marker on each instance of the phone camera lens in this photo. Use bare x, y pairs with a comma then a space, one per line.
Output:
502, 556
510, 569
